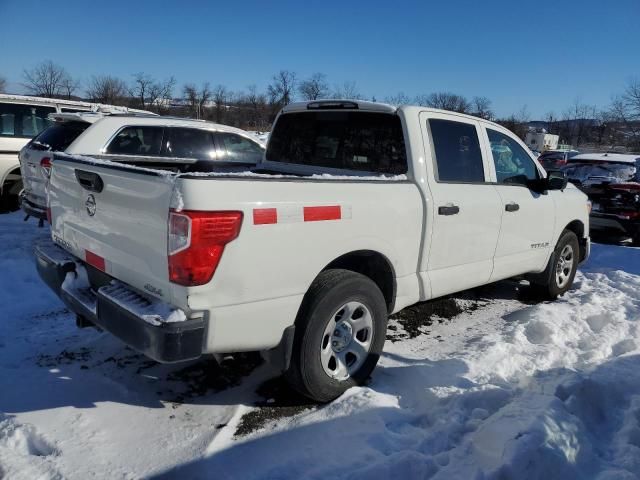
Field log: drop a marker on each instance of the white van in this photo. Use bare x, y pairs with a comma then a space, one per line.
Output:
21, 119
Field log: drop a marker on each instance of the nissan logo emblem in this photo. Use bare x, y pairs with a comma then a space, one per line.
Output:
91, 205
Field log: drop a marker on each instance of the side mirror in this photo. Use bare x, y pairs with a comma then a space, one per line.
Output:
556, 180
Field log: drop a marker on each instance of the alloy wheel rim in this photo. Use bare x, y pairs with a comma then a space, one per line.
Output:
564, 266
346, 340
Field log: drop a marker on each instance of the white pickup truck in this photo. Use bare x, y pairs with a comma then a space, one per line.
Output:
357, 211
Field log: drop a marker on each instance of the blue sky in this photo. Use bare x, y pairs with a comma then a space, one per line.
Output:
541, 54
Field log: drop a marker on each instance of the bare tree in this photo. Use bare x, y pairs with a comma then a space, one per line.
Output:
257, 106
399, 99
68, 86
550, 119
151, 93
518, 122
481, 107
314, 87
45, 79
625, 111
445, 101
282, 87
348, 90
197, 98
3, 84
578, 119
107, 89
221, 97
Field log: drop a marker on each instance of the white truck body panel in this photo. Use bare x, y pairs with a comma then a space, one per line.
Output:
264, 273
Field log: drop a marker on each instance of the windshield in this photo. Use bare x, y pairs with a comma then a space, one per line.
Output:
362, 141
602, 172
59, 136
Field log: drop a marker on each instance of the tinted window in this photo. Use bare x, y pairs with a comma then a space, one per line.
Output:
59, 136
362, 141
513, 164
190, 143
457, 150
137, 141
239, 149
74, 110
23, 120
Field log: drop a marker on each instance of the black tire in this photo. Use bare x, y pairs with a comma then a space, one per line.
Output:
9, 200
329, 292
549, 287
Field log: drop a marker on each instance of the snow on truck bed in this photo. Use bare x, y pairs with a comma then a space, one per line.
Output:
487, 384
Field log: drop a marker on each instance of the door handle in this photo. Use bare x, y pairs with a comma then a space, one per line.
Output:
512, 207
448, 210
90, 181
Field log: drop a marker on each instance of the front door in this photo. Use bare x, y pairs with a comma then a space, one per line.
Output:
527, 216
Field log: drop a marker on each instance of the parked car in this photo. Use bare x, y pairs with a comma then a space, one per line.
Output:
357, 210
22, 118
135, 139
556, 159
612, 182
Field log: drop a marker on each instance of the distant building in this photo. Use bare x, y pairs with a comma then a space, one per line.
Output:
540, 140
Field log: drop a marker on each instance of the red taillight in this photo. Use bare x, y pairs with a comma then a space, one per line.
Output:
49, 215
628, 215
196, 243
45, 166
626, 187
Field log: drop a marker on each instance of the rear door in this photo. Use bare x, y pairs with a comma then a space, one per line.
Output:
528, 217
115, 218
465, 210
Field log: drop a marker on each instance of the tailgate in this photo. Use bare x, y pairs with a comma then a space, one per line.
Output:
115, 218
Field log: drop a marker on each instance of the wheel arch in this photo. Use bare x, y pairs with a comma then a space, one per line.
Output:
373, 265
577, 227
15, 170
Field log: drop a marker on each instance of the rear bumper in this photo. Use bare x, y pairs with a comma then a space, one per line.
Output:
32, 209
162, 341
613, 223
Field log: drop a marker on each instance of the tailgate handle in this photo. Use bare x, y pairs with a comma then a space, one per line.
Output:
90, 181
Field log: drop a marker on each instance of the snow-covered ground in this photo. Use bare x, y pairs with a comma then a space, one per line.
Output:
488, 384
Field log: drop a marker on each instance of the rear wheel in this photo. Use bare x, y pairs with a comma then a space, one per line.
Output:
562, 267
339, 336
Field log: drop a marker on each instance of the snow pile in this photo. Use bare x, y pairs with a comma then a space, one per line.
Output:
512, 389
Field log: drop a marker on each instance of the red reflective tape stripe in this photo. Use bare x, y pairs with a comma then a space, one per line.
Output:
265, 216
94, 260
315, 214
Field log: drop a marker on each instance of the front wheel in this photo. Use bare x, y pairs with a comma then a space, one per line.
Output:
562, 267
339, 335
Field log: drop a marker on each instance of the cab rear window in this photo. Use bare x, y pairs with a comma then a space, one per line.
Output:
361, 141
59, 136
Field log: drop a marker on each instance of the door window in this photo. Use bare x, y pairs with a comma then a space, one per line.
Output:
513, 164
190, 143
146, 141
457, 151
26, 121
239, 149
